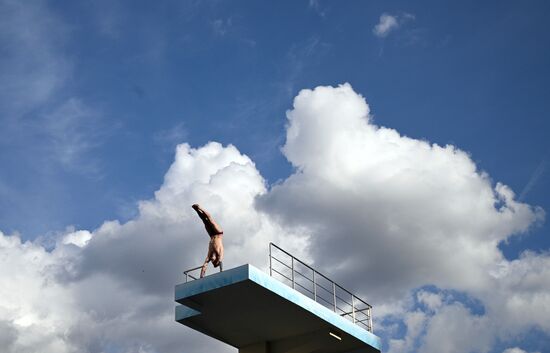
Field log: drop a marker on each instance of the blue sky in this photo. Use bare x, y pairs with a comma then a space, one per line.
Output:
95, 96
472, 75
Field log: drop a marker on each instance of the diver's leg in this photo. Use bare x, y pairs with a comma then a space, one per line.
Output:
212, 227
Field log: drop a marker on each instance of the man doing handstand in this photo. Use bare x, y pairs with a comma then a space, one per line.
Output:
215, 247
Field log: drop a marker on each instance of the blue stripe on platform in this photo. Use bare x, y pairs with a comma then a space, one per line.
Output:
217, 280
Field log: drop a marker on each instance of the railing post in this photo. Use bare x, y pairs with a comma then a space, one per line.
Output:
270, 270
353, 308
314, 287
186, 275
292, 269
370, 320
334, 295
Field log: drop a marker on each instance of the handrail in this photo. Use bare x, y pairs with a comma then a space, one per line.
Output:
187, 272
311, 268
336, 304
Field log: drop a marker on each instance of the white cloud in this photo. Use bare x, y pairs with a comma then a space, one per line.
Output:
371, 195
35, 308
386, 24
383, 213
518, 294
451, 331
415, 322
79, 238
514, 350
433, 301
112, 286
390, 213
389, 23
515, 301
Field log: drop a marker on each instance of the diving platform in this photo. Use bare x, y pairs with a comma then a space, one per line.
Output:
257, 313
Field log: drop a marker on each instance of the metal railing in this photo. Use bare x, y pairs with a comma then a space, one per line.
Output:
308, 281
189, 275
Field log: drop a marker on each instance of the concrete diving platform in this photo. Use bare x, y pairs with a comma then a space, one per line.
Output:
254, 312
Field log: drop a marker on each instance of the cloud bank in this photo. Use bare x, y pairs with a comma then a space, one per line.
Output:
413, 227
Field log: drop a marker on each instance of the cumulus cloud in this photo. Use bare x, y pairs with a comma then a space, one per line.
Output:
35, 308
114, 285
390, 213
383, 213
389, 23
151, 251
371, 195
